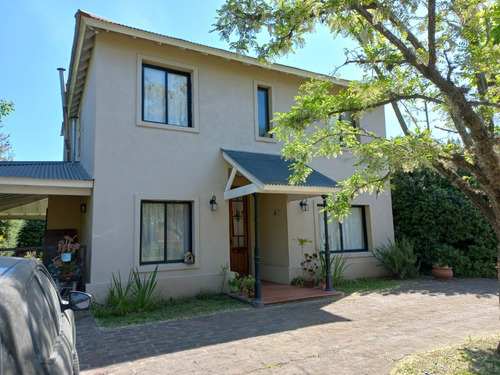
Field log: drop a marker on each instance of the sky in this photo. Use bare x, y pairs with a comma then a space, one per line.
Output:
37, 37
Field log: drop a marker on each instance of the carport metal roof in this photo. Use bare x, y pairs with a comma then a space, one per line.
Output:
22, 184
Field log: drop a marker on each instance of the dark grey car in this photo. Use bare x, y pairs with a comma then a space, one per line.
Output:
37, 327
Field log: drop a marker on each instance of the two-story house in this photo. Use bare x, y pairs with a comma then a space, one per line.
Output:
168, 153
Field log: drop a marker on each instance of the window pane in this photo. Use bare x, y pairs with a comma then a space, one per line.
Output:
263, 108
353, 230
153, 93
178, 230
178, 100
333, 233
153, 232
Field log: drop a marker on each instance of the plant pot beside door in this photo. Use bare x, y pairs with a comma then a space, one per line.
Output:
309, 283
442, 273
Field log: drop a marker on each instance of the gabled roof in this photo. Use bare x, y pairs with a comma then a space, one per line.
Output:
270, 173
88, 24
51, 170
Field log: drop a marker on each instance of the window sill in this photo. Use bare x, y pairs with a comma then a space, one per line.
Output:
167, 127
354, 254
266, 139
168, 267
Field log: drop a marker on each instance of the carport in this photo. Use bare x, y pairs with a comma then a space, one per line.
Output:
58, 192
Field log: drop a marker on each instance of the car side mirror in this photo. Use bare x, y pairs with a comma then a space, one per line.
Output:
79, 301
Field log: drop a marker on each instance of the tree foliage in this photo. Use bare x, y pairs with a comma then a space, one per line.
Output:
432, 61
445, 227
31, 233
6, 108
9, 230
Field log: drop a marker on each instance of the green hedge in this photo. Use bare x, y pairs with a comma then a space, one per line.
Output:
31, 233
445, 226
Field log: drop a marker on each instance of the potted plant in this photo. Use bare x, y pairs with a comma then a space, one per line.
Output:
68, 268
309, 268
298, 281
66, 248
321, 282
444, 272
247, 285
233, 283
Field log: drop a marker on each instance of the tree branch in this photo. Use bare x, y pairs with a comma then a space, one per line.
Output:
393, 39
431, 31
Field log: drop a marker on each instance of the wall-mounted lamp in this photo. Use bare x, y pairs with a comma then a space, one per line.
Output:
83, 208
213, 203
304, 205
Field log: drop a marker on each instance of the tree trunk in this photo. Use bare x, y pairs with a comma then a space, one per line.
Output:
498, 270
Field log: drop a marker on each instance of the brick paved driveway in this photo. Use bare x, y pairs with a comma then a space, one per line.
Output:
364, 334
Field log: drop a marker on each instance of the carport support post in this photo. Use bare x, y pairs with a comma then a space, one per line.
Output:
329, 286
258, 285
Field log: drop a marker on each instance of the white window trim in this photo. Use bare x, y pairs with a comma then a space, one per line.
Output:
193, 70
270, 87
195, 222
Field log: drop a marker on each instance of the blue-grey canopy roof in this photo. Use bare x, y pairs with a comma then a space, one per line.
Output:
51, 170
275, 170
270, 173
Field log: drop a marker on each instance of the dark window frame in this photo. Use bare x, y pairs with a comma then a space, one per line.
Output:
190, 244
189, 94
267, 113
365, 234
354, 123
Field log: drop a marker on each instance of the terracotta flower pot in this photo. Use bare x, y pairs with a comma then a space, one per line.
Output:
442, 273
309, 283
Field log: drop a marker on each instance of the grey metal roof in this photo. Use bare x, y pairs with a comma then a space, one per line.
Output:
274, 170
50, 170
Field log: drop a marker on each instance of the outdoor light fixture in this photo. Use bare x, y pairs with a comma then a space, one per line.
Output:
213, 203
83, 208
304, 205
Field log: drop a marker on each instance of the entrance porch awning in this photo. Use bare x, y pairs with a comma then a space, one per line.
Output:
269, 174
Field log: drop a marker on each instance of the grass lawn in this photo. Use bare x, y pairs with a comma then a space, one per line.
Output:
188, 307
473, 356
369, 285
207, 303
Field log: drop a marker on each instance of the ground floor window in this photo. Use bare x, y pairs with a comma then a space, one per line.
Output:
350, 235
166, 231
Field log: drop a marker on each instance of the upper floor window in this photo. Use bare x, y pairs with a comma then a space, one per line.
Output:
166, 96
263, 111
348, 117
348, 235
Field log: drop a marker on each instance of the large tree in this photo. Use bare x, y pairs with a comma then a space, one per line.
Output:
432, 60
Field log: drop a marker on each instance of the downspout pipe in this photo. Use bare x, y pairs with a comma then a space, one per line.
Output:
73, 138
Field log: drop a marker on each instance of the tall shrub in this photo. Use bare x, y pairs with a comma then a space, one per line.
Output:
31, 234
444, 225
399, 258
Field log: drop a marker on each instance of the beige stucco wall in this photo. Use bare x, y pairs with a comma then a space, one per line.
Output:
133, 163
64, 212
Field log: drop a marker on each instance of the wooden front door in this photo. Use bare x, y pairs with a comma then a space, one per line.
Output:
238, 233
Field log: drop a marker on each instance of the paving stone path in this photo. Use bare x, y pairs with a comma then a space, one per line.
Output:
360, 334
